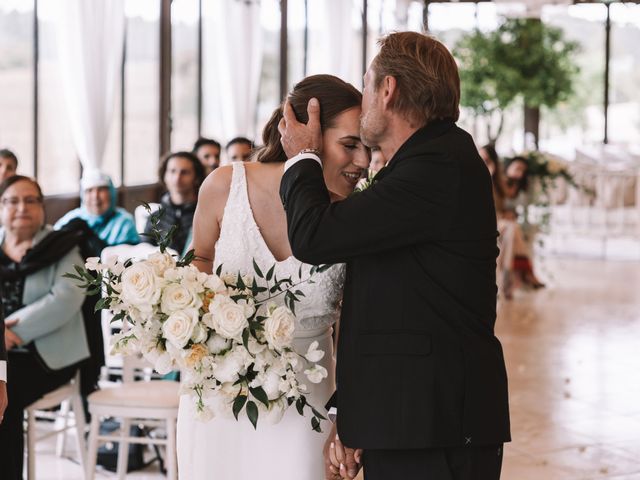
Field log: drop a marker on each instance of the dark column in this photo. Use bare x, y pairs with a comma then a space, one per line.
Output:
199, 100
36, 59
165, 77
365, 35
284, 57
607, 59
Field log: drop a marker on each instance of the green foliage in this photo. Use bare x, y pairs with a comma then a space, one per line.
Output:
523, 60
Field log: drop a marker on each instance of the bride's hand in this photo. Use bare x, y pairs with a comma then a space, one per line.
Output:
340, 460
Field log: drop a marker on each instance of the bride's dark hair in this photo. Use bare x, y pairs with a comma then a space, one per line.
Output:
335, 96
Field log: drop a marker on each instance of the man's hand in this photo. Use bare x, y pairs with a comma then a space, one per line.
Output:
11, 339
3, 399
296, 136
340, 461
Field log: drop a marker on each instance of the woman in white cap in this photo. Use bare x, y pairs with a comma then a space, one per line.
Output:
112, 224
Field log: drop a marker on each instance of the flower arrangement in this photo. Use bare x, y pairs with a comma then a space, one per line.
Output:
230, 340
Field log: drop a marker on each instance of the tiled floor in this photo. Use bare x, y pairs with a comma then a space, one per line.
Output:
573, 356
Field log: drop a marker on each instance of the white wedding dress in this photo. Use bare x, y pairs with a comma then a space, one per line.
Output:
226, 449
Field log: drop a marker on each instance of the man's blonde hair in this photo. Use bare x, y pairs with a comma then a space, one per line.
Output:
426, 75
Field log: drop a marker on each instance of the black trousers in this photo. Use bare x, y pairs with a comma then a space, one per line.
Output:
463, 463
28, 379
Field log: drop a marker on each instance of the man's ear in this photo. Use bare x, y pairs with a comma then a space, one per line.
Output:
389, 90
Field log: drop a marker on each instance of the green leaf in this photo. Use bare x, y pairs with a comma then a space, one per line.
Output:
300, 405
245, 338
240, 283
315, 424
252, 413
102, 304
260, 395
270, 272
219, 270
257, 269
238, 403
317, 414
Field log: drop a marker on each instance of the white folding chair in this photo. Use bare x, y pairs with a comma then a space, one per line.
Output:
153, 402
68, 397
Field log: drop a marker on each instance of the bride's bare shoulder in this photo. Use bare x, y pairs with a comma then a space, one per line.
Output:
217, 183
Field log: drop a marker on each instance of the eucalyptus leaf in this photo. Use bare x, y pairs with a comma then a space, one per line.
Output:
238, 403
252, 413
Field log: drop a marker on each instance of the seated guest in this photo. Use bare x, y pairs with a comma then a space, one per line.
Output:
208, 152
239, 149
514, 250
181, 174
113, 225
8, 164
44, 331
516, 170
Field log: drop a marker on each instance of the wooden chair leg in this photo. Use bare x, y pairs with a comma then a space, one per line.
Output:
172, 459
92, 455
62, 424
31, 445
123, 449
81, 445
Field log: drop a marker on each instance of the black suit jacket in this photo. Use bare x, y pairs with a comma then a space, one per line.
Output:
418, 363
3, 350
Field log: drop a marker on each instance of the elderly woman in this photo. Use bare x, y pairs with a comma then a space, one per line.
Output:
112, 225
44, 330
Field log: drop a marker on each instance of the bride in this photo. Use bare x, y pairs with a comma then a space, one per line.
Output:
240, 219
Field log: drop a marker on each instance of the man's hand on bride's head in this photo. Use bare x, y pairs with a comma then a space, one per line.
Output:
295, 136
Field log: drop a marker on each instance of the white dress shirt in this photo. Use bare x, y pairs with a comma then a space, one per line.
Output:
293, 160
3, 371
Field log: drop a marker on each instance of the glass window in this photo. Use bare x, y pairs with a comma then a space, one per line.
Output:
16, 81
624, 94
58, 163
142, 92
184, 74
581, 119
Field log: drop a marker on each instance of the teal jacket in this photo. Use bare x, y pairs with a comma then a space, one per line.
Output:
52, 315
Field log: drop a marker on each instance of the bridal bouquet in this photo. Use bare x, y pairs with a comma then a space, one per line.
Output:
232, 343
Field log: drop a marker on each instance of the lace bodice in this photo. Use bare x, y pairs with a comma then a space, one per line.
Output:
241, 242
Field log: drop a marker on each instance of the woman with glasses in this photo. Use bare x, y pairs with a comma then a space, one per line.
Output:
44, 331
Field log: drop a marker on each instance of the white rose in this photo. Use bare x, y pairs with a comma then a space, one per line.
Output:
273, 414
254, 347
229, 318
163, 364
199, 334
313, 354
207, 319
178, 328
217, 344
215, 284
229, 366
113, 265
160, 262
316, 374
279, 327
140, 286
270, 383
178, 297
93, 263
192, 278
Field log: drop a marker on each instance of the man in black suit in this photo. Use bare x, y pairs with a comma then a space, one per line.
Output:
422, 386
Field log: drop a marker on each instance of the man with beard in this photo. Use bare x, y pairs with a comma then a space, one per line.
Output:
422, 387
